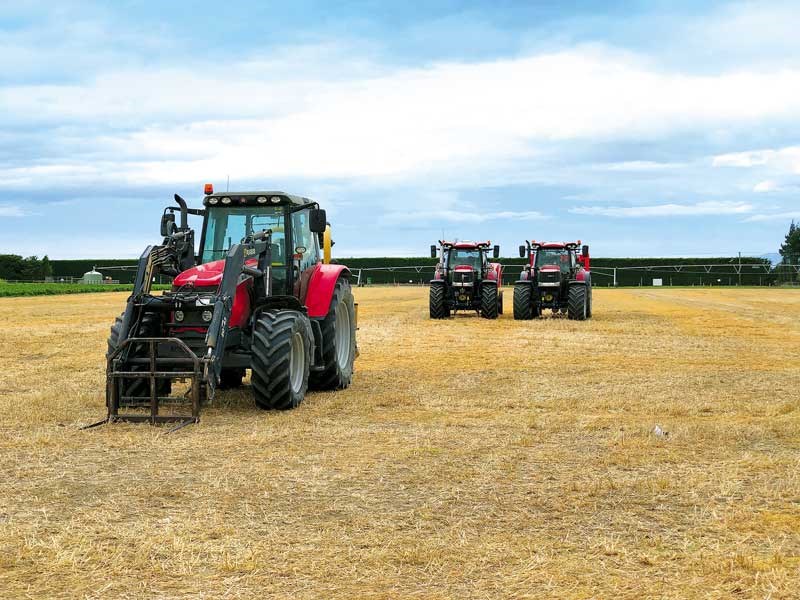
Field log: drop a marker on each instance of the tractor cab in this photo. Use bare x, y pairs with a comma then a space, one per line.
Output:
466, 258
555, 259
295, 225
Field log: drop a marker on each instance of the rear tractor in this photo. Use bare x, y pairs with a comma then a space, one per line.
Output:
557, 277
465, 280
259, 295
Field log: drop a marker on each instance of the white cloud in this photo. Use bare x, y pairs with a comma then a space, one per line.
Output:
432, 217
786, 216
666, 210
265, 122
777, 159
9, 210
639, 166
766, 187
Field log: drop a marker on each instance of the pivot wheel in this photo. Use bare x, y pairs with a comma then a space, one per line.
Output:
577, 303
489, 302
282, 342
437, 305
338, 341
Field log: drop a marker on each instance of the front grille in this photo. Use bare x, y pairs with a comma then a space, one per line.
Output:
549, 278
463, 277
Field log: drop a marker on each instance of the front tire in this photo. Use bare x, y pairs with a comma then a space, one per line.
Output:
282, 343
338, 341
523, 302
576, 307
489, 301
138, 388
436, 302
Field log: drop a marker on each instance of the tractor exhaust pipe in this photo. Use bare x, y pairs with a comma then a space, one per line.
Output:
184, 212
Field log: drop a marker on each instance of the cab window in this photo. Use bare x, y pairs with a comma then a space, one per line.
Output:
305, 242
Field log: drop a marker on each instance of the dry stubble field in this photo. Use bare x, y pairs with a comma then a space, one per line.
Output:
469, 459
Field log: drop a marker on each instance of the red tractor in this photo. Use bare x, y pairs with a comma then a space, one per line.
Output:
260, 294
466, 280
557, 277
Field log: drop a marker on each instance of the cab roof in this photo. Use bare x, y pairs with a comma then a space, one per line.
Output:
252, 198
466, 245
555, 245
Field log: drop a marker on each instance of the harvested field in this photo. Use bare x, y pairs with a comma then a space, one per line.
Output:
470, 459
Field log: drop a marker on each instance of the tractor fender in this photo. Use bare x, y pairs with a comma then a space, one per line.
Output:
495, 273
320, 288
524, 277
486, 282
582, 276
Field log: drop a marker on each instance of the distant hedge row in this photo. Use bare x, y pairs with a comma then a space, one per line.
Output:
722, 273
53, 289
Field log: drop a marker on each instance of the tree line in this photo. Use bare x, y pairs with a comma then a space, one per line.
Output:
13, 266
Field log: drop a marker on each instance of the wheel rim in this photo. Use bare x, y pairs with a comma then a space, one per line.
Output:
342, 336
297, 362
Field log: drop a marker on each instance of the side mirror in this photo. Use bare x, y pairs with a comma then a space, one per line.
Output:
167, 224
522, 251
317, 220
433, 251
585, 251
496, 252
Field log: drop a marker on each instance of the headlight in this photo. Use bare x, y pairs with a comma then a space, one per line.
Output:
179, 315
207, 316
226, 200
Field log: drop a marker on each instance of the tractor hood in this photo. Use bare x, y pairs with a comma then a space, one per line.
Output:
549, 269
462, 268
206, 275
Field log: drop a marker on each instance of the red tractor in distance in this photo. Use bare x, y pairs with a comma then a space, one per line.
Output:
466, 280
259, 294
557, 277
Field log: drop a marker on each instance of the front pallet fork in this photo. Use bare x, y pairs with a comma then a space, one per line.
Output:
154, 365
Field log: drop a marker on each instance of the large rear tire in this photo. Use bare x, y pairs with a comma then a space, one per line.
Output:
576, 302
282, 342
436, 302
589, 302
338, 341
523, 302
489, 301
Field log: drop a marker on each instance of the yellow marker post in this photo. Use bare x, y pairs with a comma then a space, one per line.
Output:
326, 246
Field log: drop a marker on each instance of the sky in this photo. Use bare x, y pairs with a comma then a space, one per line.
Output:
642, 128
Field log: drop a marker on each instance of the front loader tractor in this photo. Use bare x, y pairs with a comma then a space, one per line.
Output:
465, 280
557, 277
259, 294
